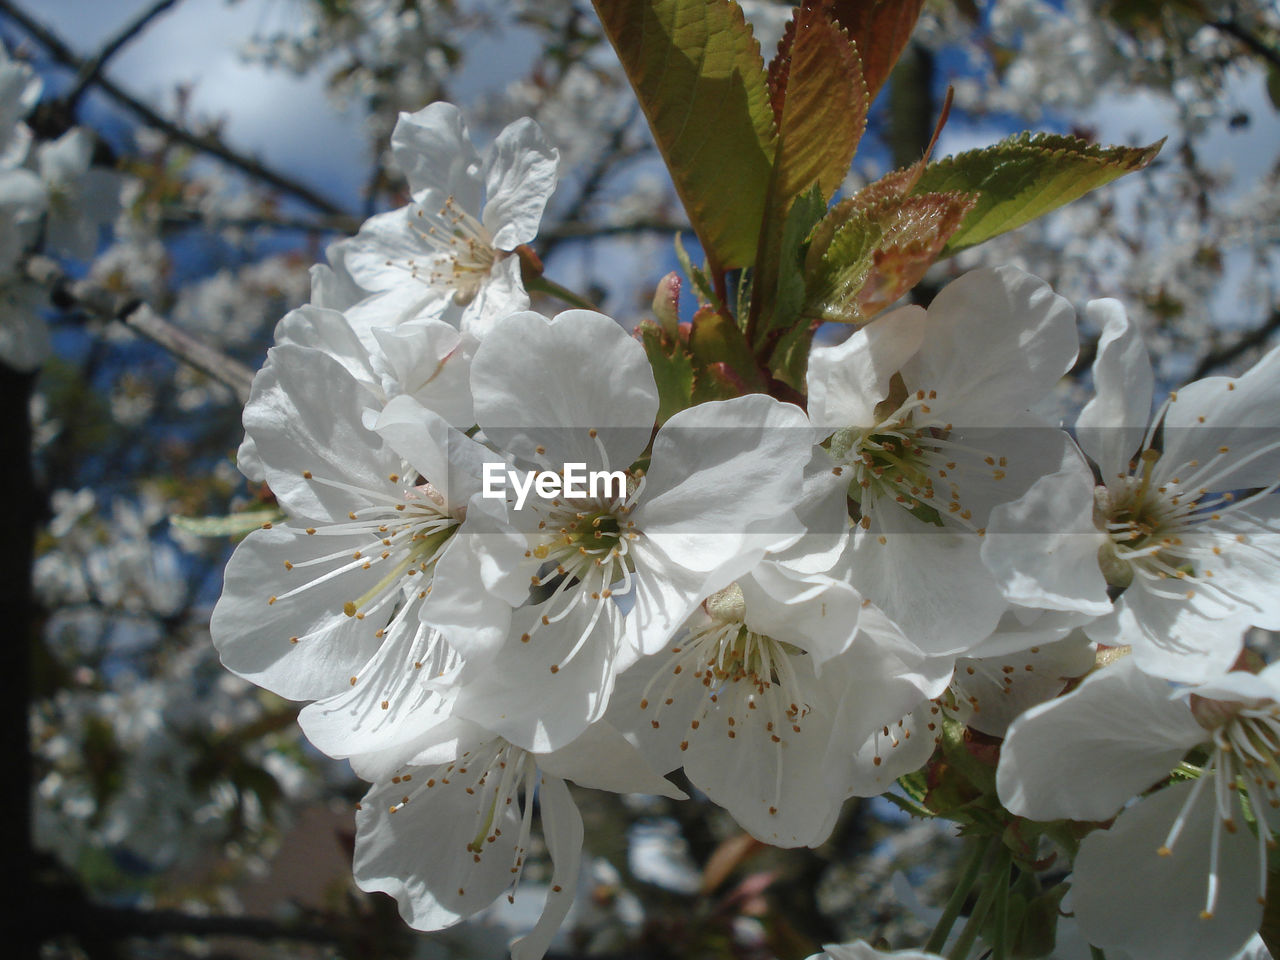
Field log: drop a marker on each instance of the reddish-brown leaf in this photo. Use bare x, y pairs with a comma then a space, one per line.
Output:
881, 29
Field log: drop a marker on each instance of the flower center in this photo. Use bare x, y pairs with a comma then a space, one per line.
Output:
406, 534
909, 458
462, 251
1165, 530
585, 545
749, 682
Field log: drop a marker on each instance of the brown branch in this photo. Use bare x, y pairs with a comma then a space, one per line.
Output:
1250, 40
92, 67
606, 160
582, 231
141, 319
1254, 338
206, 143
191, 217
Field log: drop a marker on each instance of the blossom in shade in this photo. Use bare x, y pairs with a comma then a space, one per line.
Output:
926, 414
1184, 528
764, 695
305, 603
1182, 872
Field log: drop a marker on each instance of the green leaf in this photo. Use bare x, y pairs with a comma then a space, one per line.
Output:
823, 109
915, 230
228, 526
788, 349
1273, 86
789, 361
695, 275
841, 256
1024, 177
696, 69
804, 216
672, 369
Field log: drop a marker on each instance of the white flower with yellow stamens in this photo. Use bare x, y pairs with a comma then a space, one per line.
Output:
449, 253
305, 603
926, 415
609, 575
1185, 529
766, 695
1182, 873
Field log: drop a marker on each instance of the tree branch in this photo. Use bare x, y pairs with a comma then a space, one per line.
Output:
139, 317
606, 160
1254, 338
92, 68
191, 217
206, 143
1255, 45
578, 231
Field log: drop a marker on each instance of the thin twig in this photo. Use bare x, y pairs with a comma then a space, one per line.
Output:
1250, 40
191, 217
234, 374
581, 231
206, 143
1254, 338
140, 318
92, 68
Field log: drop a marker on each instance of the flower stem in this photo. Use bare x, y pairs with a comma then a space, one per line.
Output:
1000, 935
542, 285
996, 881
968, 875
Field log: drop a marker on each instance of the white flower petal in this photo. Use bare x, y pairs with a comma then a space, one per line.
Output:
1082, 756
520, 176
848, 380
1043, 547
253, 634
996, 341
433, 150
547, 383
1127, 896
1111, 425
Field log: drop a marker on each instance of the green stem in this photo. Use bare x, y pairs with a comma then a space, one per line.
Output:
1096, 953
968, 876
542, 285
1000, 935
996, 878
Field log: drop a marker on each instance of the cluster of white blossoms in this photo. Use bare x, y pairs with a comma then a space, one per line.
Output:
51, 195
788, 604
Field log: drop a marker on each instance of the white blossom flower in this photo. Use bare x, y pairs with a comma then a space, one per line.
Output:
765, 695
609, 576
991, 691
927, 417
82, 198
1194, 560
306, 603
449, 253
446, 828
1182, 872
